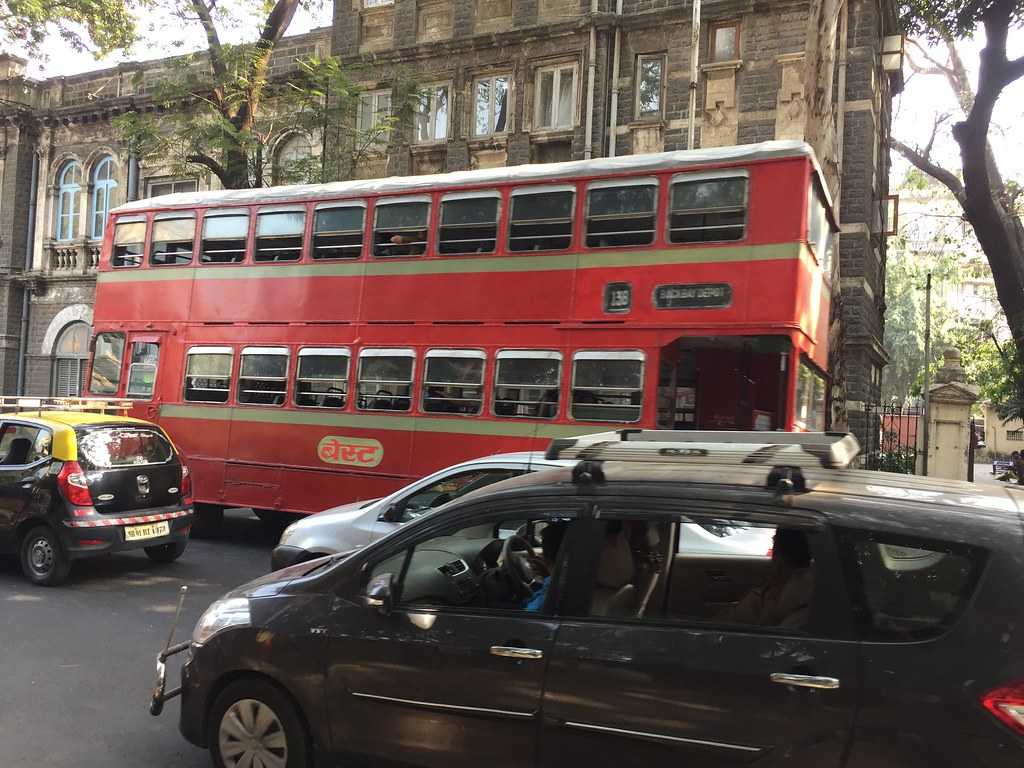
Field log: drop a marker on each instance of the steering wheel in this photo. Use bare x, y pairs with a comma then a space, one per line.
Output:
524, 571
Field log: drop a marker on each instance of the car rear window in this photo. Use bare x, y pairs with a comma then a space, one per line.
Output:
122, 447
909, 589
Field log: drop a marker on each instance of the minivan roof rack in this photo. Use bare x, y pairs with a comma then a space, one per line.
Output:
831, 450
15, 404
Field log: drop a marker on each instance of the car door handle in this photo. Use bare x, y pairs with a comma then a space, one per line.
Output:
516, 653
805, 681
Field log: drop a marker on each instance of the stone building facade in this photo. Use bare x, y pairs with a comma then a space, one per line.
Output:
507, 82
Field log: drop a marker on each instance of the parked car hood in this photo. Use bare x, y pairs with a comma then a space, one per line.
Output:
275, 581
335, 515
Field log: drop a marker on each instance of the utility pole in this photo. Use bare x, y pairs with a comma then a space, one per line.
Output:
927, 363
691, 133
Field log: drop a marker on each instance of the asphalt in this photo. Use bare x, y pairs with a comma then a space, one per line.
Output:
77, 661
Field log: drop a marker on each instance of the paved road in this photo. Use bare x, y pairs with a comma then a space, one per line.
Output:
76, 662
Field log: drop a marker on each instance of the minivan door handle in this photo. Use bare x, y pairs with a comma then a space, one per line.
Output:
516, 653
805, 681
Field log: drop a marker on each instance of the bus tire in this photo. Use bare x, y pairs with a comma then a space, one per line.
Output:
209, 519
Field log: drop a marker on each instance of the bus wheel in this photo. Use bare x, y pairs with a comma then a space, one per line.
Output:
209, 518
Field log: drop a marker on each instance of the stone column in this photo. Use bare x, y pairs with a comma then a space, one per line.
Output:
950, 398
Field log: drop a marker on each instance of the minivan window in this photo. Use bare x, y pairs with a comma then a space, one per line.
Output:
107, 355
113, 447
909, 590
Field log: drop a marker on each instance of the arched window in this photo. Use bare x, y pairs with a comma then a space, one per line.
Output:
290, 153
70, 353
69, 187
103, 186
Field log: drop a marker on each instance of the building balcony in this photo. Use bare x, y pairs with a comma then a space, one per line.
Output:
71, 257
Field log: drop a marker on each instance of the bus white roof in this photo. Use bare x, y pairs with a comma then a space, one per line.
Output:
767, 150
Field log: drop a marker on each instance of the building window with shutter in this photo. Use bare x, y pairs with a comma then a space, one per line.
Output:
70, 354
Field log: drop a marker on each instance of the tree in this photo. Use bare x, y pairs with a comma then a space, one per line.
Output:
219, 111
990, 204
99, 25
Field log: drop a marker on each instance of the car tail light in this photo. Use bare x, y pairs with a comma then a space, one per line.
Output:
1007, 704
186, 485
73, 485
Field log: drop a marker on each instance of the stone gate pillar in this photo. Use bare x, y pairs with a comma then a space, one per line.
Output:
950, 401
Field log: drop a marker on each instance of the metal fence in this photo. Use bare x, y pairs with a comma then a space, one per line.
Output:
894, 435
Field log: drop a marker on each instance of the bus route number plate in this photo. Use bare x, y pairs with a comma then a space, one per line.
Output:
618, 297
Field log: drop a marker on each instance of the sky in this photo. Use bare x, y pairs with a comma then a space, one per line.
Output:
913, 111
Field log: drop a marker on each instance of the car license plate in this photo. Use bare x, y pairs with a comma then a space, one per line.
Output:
150, 531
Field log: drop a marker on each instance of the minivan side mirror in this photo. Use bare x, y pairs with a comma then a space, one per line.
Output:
380, 593
391, 514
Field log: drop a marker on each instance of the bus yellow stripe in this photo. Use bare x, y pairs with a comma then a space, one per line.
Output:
463, 265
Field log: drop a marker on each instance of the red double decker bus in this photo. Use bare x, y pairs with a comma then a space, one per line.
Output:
310, 345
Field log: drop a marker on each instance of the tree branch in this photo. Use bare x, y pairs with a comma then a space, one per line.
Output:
278, 21
937, 172
214, 49
201, 158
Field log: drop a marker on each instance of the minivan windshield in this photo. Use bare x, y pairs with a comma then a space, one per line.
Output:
113, 447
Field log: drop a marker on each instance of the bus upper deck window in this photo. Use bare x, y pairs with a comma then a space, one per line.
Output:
208, 374
541, 219
385, 379
129, 241
263, 377
142, 370
279, 235
321, 380
173, 237
453, 381
469, 223
707, 210
107, 356
224, 237
338, 231
607, 386
527, 382
621, 213
400, 228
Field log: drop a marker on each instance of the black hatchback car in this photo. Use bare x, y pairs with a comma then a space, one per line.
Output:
556, 619
82, 483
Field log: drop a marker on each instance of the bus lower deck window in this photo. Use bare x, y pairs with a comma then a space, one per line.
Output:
400, 229
129, 241
172, 241
708, 210
526, 384
338, 232
453, 382
541, 220
469, 224
279, 235
607, 386
621, 215
321, 379
142, 369
107, 356
385, 379
208, 374
224, 238
263, 376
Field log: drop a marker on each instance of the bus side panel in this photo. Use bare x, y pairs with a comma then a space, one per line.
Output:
311, 490
535, 295
144, 300
235, 297
204, 443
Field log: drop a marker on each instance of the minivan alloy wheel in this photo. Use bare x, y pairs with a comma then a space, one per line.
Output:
251, 734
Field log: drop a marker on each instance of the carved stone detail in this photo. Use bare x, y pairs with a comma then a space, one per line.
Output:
791, 113
720, 125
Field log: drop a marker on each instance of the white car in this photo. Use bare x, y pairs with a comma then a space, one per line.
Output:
354, 525
350, 526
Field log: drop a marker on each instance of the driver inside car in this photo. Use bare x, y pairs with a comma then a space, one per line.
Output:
551, 542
